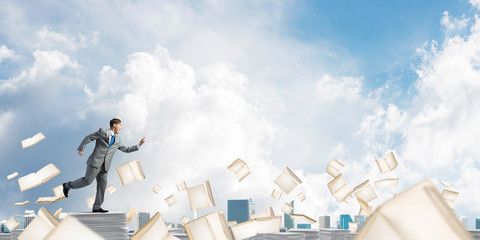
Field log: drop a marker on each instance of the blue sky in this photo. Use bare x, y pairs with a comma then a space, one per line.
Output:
276, 83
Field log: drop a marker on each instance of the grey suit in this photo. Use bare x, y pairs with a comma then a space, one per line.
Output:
99, 162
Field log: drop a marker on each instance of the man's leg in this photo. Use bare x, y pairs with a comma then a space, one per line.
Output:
90, 175
101, 185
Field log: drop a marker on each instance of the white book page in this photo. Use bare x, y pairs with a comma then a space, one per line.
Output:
236, 165
286, 182
137, 170
37, 229
217, 224
268, 225
29, 181
198, 197
199, 230
72, 229
126, 174
47, 173
244, 230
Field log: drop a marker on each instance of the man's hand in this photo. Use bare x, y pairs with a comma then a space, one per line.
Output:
142, 141
80, 153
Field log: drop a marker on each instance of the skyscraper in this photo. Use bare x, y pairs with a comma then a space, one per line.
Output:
304, 226
28, 220
324, 222
477, 223
251, 207
464, 221
4, 229
140, 219
344, 220
20, 219
238, 210
360, 219
288, 221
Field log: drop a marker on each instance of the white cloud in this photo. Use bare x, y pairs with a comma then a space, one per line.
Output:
345, 88
475, 3
6, 53
453, 25
48, 39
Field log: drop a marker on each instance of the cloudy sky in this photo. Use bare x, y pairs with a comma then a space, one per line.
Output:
276, 83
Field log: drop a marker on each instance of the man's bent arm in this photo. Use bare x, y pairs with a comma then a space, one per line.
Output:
128, 149
88, 139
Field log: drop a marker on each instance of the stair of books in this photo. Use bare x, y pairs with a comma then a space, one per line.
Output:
105, 225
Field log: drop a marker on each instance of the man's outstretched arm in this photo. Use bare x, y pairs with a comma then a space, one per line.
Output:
88, 139
132, 148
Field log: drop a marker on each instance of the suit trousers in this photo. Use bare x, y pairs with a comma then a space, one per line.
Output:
92, 173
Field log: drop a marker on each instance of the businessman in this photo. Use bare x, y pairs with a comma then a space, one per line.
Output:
107, 143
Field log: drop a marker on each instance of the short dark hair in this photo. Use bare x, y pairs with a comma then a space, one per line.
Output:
114, 121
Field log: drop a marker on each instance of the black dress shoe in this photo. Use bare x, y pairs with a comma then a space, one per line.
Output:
65, 190
100, 210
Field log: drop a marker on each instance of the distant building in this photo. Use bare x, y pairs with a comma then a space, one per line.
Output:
304, 226
288, 221
324, 222
477, 223
344, 220
4, 229
360, 219
251, 207
20, 219
140, 219
464, 221
238, 210
28, 220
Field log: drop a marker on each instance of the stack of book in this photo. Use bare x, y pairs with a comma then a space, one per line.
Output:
475, 234
310, 234
349, 236
105, 225
5, 236
278, 236
332, 234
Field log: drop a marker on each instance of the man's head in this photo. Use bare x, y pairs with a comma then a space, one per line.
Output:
115, 125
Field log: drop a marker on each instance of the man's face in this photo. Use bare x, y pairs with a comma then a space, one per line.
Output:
116, 128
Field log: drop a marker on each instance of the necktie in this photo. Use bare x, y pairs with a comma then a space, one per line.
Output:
111, 141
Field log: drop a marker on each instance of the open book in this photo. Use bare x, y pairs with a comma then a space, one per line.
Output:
155, 228
111, 189
267, 213
58, 195
90, 201
184, 220
33, 140
302, 218
446, 184
57, 213
287, 208
72, 229
156, 188
389, 182
171, 201
130, 215
302, 196
12, 224
365, 209
287, 181
21, 203
387, 164
333, 168
253, 227
12, 175
339, 188
209, 227
40, 177
200, 196
411, 215
240, 168
352, 227
276, 194
182, 186
365, 191
130, 172
40, 226
449, 197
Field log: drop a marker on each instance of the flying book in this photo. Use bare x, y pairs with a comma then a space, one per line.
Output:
40, 226
446, 184
57, 213
253, 227
90, 201
334, 167
63, 215
387, 164
33, 140
130, 172
29, 212
230, 223
209, 227
171, 201
240, 168
58, 195
111, 189
449, 197
389, 182
72, 229
200, 196
12, 224
184, 220
276, 194
40, 177
182, 186
409, 215
302, 196
287, 208
21, 203
302, 218
12, 175
365, 209
287, 181
155, 228
130, 214
352, 227
339, 188
156, 188
267, 213
365, 191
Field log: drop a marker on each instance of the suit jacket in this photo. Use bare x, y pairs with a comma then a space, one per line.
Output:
102, 152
